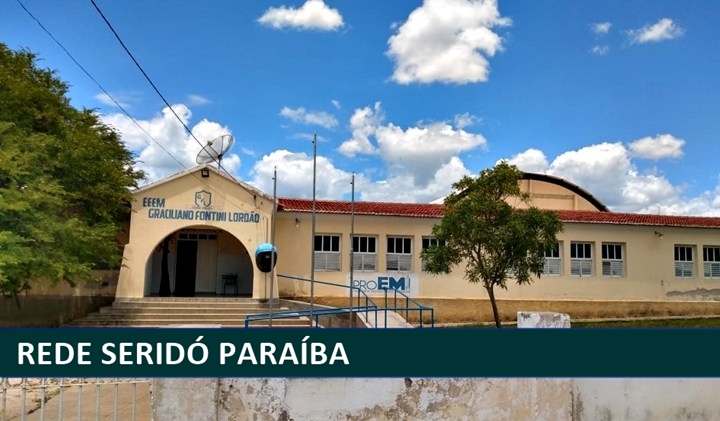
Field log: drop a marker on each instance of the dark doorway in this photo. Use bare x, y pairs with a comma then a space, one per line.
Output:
185, 268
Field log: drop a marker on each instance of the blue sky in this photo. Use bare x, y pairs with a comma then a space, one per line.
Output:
620, 97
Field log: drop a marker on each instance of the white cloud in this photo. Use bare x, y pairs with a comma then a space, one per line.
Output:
439, 35
606, 170
309, 136
403, 188
644, 190
602, 169
106, 99
364, 122
600, 50
664, 29
705, 204
418, 152
295, 175
295, 179
658, 147
336, 103
601, 28
124, 99
313, 14
531, 160
197, 100
317, 118
173, 149
248, 151
466, 120
422, 151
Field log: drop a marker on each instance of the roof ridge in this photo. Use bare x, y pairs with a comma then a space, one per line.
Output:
430, 210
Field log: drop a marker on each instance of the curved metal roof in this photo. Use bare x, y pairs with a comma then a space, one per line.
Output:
600, 206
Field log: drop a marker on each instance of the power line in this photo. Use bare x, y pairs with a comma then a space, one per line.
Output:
124, 111
109, 25
137, 64
98, 84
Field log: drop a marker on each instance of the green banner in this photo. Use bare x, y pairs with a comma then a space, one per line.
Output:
209, 352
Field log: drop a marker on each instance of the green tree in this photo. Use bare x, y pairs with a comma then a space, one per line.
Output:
65, 181
495, 240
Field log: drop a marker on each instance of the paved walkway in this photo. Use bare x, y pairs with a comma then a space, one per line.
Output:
393, 320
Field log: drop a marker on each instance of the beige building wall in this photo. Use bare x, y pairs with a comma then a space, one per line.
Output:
242, 219
294, 235
238, 214
548, 195
647, 265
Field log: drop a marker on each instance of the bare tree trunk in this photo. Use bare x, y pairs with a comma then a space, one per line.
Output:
496, 315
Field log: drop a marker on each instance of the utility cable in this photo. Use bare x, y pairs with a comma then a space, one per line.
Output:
137, 64
99, 85
124, 111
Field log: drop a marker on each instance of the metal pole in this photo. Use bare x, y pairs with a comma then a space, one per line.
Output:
312, 238
60, 405
352, 247
23, 392
4, 397
272, 250
42, 399
97, 399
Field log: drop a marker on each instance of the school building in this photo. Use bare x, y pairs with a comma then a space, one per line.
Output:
196, 233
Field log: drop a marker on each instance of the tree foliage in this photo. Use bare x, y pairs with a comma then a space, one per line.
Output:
484, 227
65, 180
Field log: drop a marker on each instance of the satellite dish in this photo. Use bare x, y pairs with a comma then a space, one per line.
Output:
214, 150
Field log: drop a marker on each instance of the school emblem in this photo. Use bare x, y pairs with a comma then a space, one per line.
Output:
203, 199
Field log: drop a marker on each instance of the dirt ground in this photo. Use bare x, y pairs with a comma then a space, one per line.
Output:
451, 311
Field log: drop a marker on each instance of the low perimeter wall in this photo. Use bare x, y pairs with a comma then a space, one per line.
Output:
431, 399
48, 306
436, 399
361, 399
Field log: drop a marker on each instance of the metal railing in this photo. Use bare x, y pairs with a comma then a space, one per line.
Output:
420, 308
316, 314
369, 307
82, 399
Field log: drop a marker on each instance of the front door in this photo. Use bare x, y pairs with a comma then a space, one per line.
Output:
206, 273
185, 268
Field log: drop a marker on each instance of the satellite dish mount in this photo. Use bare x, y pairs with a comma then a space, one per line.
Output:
214, 150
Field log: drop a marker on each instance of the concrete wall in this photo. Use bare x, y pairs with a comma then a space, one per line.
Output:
439, 399
436, 399
47, 306
361, 399
645, 399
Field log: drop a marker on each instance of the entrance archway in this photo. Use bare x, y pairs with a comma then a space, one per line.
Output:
199, 261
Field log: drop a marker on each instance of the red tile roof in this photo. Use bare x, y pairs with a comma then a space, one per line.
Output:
419, 210
592, 217
426, 210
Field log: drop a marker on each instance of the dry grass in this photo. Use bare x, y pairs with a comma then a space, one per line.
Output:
479, 311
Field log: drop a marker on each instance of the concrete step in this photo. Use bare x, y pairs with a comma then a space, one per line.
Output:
181, 310
178, 316
199, 304
303, 322
168, 311
162, 315
212, 299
